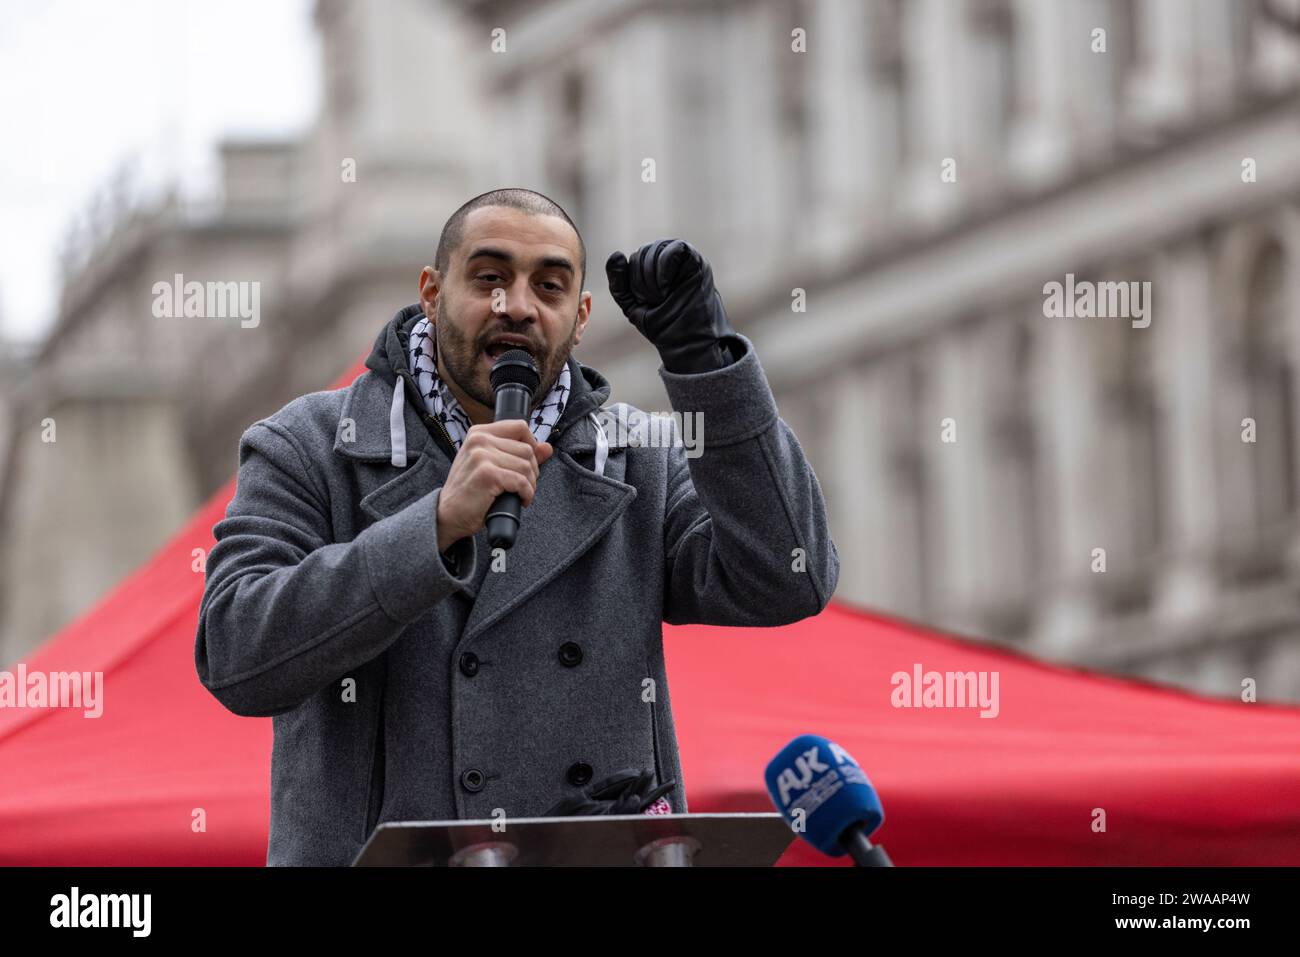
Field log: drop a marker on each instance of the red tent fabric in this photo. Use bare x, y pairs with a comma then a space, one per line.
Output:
1181, 779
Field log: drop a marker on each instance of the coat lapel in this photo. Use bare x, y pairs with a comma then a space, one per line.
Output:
573, 507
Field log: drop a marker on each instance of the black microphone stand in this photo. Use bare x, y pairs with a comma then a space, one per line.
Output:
864, 853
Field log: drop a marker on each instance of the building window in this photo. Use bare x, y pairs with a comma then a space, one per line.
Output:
1013, 487
1127, 466
994, 83
1279, 23
1258, 484
1242, 16
1124, 49
565, 152
888, 77
909, 493
793, 91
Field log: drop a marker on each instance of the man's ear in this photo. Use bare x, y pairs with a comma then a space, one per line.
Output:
430, 286
584, 313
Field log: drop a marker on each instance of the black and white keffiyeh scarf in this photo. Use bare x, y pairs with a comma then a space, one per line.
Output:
442, 404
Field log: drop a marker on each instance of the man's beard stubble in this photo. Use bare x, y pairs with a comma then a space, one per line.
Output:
462, 354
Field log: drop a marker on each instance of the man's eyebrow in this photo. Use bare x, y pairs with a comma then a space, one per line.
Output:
547, 262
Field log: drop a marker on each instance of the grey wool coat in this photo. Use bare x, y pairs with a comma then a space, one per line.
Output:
406, 687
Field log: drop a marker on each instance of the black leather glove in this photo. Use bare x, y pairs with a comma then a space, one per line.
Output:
623, 792
666, 291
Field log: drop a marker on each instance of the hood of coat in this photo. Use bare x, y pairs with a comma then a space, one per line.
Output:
589, 392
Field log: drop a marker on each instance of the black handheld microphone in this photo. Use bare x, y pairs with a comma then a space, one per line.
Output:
514, 379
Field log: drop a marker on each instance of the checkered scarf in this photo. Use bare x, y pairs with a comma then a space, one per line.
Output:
442, 405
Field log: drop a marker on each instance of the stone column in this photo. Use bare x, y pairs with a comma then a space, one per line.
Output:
1165, 90
841, 150
932, 34
951, 394
1048, 39
1183, 324
1068, 616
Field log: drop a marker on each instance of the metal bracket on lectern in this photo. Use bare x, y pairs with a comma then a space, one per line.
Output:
485, 854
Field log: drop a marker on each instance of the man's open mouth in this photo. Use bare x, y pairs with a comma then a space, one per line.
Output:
495, 350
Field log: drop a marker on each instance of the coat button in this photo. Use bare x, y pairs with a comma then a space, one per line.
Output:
469, 664
472, 780
579, 774
570, 654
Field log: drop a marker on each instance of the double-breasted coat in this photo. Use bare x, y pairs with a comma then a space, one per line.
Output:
403, 686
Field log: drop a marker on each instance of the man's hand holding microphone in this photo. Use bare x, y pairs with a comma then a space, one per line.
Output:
495, 458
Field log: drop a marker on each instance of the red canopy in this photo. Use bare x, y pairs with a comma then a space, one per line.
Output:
1181, 779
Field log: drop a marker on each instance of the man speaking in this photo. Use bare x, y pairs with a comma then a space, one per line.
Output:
414, 672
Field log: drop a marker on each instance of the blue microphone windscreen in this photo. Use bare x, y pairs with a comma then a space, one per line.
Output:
821, 790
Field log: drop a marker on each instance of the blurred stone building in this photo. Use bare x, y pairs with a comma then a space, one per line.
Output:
884, 188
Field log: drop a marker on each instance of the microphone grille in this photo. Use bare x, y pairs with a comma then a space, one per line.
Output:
515, 367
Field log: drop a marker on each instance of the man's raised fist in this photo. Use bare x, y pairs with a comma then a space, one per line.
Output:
666, 290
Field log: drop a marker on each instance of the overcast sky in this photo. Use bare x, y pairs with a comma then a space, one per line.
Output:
87, 85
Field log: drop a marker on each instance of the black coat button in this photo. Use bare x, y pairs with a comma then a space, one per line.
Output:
579, 774
472, 780
570, 654
469, 664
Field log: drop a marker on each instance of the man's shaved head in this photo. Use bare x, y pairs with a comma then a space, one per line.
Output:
453, 233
